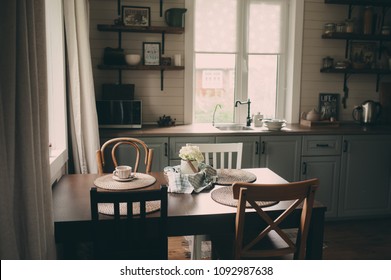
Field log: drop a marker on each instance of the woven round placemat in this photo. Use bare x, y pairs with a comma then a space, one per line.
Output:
224, 196
108, 183
229, 176
108, 209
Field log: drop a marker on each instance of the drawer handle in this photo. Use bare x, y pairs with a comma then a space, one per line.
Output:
322, 145
304, 168
263, 147
345, 146
165, 149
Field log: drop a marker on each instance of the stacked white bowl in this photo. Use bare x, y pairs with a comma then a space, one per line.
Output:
132, 59
274, 124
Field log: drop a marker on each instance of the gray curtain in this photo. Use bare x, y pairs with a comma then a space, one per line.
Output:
26, 218
83, 120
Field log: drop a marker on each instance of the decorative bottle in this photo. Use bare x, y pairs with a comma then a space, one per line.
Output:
368, 20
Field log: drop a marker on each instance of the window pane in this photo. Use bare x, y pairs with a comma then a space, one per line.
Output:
262, 84
215, 84
265, 26
215, 25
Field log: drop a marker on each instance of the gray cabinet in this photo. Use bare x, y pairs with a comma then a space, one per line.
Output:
365, 186
160, 151
321, 159
282, 155
250, 156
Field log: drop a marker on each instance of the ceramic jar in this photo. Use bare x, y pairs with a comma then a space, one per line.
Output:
312, 115
186, 166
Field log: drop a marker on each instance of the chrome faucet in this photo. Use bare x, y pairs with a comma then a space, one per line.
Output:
248, 102
214, 113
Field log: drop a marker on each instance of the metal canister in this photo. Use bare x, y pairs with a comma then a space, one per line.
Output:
328, 62
329, 28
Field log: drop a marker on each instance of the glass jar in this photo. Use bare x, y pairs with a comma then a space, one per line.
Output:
340, 27
368, 20
329, 28
328, 62
386, 30
349, 25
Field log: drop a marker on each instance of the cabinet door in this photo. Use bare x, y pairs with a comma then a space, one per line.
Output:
326, 169
365, 176
176, 143
282, 155
160, 152
250, 156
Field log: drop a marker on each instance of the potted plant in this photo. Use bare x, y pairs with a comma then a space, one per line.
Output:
190, 156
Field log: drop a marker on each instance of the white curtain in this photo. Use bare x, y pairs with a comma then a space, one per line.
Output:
83, 126
26, 218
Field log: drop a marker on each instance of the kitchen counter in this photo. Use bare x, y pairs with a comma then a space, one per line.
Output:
209, 130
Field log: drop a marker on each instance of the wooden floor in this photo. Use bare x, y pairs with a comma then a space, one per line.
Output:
343, 240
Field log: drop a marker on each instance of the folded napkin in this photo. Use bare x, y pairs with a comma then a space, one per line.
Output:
187, 183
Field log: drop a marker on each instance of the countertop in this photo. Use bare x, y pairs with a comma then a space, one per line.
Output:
209, 130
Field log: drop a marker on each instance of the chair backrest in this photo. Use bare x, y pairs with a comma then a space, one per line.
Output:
299, 193
129, 236
138, 149
222, 154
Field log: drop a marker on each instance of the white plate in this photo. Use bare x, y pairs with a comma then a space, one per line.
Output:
132, 177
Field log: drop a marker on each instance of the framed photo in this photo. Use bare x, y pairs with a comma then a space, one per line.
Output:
363, 54
329, 105
151, 53
136, 16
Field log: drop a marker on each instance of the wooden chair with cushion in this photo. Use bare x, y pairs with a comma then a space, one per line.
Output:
218, 155
137, 149
266, 243
131, 232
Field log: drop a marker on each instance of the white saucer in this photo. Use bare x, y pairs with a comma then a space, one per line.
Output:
132, 177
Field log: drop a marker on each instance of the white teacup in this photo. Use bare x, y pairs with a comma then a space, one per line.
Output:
123, 171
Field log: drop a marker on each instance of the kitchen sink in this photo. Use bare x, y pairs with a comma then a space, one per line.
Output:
232, 127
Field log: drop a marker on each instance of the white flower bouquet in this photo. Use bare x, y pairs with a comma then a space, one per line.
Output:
191, 153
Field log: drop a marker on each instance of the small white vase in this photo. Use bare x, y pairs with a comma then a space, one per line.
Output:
186, 168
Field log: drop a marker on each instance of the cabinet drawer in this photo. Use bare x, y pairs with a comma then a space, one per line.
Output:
321, 145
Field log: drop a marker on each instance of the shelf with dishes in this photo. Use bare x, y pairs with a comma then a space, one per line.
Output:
380, 3
356, 36
364, 46
140, 67
140, 29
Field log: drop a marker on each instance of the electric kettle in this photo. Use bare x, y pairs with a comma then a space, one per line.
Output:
174, 17
367, 113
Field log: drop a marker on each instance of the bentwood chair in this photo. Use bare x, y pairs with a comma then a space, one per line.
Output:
128, 233
272, 241
127, 151
218, 155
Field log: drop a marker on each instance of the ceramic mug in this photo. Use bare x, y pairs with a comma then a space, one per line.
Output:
123, 171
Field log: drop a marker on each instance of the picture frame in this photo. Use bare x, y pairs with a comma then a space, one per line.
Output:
363, 54
151, 53
329, 106
136, 16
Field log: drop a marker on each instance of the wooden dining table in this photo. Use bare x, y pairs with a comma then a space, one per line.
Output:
188, 214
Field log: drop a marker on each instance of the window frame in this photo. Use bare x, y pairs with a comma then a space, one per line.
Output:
288, 106
57, 119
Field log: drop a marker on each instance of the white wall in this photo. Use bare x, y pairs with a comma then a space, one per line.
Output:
147, 83
171, 100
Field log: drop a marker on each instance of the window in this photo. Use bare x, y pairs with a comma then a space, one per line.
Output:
239, 52
56, 88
